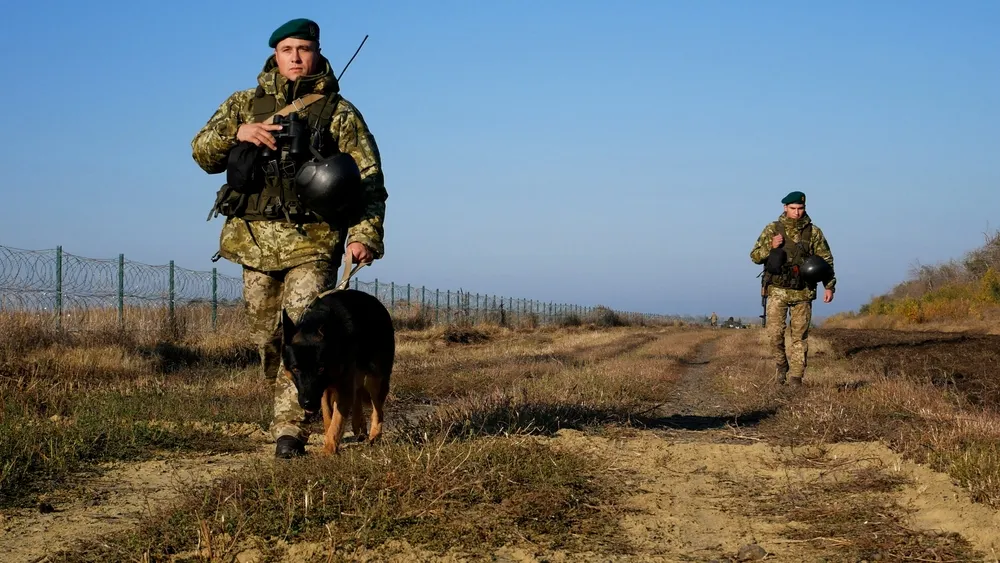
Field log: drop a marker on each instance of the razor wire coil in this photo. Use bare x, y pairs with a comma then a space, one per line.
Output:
78, 291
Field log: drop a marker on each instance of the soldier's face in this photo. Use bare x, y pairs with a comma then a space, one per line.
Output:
795, 210
296, 57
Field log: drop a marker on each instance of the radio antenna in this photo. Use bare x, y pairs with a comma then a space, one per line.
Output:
352, 58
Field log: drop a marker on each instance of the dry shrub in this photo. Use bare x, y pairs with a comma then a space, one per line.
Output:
604, 317
956, 291
411, 317
464, 335
570, 320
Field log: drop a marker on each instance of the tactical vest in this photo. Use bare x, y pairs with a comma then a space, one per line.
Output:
796, 252
277, 200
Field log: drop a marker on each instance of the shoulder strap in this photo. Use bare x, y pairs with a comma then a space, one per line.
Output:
296, 105
330, 107
780, 229
806, 238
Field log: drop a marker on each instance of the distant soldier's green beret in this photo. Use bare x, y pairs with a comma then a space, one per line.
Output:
300, 28
794, 197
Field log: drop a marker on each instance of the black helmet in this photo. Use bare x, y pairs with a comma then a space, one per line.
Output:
242, 172
815, 269
775, 260
329, 186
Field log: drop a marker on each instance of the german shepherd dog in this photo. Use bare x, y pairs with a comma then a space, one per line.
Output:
340, 356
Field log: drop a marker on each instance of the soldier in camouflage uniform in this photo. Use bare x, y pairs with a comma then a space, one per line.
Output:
786, 293
289, 257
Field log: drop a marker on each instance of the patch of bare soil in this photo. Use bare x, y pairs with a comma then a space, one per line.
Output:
113, 501
703, 501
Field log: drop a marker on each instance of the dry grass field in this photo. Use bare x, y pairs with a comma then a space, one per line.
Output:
586, 441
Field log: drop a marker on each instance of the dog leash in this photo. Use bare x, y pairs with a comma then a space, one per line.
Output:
345, 279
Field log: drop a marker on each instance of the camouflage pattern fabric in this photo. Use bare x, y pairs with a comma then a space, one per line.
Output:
795, 305
265, 294
782, 303
273, 245
818, 245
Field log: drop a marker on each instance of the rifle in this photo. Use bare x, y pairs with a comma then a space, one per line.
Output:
763, 297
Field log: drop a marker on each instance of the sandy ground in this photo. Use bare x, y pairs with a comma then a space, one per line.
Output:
114, 501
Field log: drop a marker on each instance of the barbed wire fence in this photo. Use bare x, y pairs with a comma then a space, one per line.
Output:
79, 293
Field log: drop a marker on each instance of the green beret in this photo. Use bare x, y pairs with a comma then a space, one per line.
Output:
794, 197
300, 28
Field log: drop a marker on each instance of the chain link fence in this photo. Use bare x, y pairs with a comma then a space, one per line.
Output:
79, 293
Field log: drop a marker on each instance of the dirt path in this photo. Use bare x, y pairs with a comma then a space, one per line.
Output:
705, 487
694, 406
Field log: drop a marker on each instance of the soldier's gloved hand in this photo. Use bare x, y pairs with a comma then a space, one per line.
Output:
359, 253
776, 241
258, 134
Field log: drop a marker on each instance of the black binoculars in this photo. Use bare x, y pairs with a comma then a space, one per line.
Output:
294, 131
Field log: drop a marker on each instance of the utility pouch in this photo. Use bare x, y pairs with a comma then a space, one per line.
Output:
228, 202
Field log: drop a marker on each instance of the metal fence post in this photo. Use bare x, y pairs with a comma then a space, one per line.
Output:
437, 305
392, 295
215, 298
171, 302
59, 285
121, 291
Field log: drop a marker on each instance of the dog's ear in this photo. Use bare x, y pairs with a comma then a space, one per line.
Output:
287, 327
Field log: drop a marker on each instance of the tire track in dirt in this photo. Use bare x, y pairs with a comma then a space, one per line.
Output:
695, 405
705, 489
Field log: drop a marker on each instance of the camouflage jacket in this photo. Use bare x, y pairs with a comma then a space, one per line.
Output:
276, 245
818, 245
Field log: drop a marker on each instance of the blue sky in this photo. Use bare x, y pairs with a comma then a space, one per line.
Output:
586, 152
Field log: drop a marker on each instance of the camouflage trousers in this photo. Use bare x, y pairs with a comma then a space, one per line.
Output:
265, 294
799, 312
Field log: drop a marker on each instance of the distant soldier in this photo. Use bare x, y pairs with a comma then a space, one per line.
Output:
796, 257
715, 319
290, 217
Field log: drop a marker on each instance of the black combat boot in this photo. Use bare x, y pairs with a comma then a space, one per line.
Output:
288, 447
